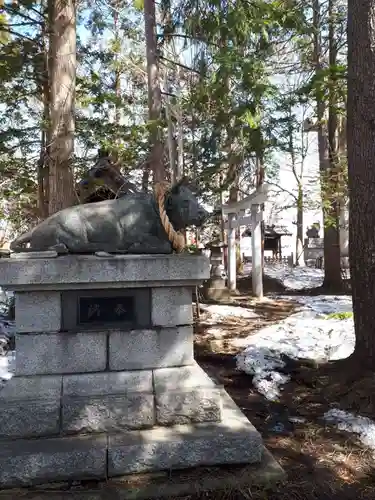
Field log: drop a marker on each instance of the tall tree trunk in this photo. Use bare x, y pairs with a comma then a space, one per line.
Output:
233, 197
172, 150
332, 255
259, 180
171, 144
62, 73
299, 260
222, 202
117, 77
361, 171
42, 167
43, 164
154, 93
299, 241
332, 263
180, 142
343, 199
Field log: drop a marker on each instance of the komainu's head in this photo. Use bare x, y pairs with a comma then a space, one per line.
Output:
183, 207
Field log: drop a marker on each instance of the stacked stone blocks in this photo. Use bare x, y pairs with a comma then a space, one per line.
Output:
106, 400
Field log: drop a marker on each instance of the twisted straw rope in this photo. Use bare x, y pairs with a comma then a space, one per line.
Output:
177, 240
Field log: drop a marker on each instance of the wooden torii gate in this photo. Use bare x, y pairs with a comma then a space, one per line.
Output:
235, 212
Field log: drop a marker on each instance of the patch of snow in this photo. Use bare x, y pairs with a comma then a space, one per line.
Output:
293, 278
218, 311
363, 426
7, 358
297, 420
305, 334
322, 304
217, 333
7, 367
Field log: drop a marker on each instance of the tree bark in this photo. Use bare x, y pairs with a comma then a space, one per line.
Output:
43, 164
117, 79
154, 93
222, 202
233, 197
42, 172
299, 241
259, 181
332, 261
180, 142
361, 172
343, 199
299, 260
332, 254
171, 144
62, 73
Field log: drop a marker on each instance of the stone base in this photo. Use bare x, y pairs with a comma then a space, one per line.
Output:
198, 481
62, 405
233, 440
157, 485
90, 352
103, 398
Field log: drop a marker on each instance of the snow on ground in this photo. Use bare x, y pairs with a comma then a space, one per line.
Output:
7, 331
7, 366
218, 311
293, 278
309, 333
306, 334
322, 304
363, 426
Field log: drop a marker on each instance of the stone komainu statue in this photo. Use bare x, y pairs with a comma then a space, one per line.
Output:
136, 223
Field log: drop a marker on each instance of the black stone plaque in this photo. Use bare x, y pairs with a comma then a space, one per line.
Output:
115, 309
100, 309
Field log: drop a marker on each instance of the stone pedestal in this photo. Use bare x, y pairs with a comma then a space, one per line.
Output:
106, 383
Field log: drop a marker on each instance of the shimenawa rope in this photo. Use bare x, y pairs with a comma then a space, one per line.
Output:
177, 239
